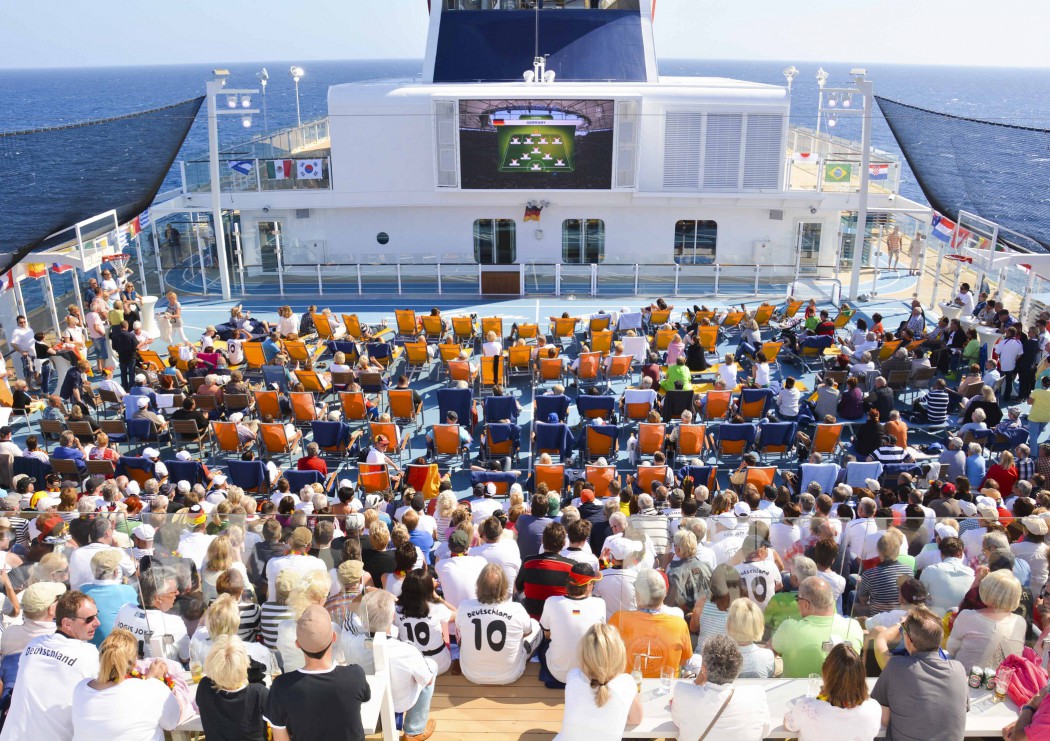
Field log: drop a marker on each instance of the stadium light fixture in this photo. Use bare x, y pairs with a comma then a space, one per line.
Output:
246, 121
790, 73
231, 101
246, 101
822, 80
264, 77
297, 74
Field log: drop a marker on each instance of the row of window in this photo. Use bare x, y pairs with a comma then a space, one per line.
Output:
583, 241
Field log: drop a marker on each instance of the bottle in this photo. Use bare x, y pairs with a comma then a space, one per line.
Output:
636, 673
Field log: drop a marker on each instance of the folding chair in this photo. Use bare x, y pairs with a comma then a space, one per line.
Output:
564, 328
373, 477
206, 403
519, 361
708, 338
460, 401
372, 384
732, 320
498, 408
529, 332
651, 436
777, 437
492, 324
600, 441
225, 438
717, 404
254, 357
646, 475
760, 476
702, 475
600, 477
754, 403
324, 327
735, 439
236, 402
299, 352
110, 399
675, 402
275, 439
662, 340
332, 437
353, 326
463, 330
843, 317
793, 305
555, 439
103, 468
185, 431
772, 352
599, 323
547, 404
407, 327
252, 476
271, 374
312, 382
402, 409
152, 360
433, 328
67, 468
551, 474
268, 404
82, 430
887, 350
115, 429
619, 368
395, 436
383, 354
826, 439
658, 317
552, 370
593, 407
460, 370
502, 440
417, 358
588, 372
898, 380
304, 408
447, 445
691, 441
492, 374
354, 407
763, 314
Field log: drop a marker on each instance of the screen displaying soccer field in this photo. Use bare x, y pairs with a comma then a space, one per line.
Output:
523, 144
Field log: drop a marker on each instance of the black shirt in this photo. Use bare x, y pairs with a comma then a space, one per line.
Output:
232, 716
378, 563
320, 706
196, 415
124, 344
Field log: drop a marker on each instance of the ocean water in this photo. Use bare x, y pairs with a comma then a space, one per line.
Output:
43, 98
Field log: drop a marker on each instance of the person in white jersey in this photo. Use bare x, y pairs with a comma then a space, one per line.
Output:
566, 619
496, 635
759, 575
423, 618
459, 573
299, 560
50, 669
159, 587
496, 549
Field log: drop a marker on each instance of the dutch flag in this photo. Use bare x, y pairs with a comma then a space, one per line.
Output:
942, 228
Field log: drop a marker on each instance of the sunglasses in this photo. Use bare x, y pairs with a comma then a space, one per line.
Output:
89, 619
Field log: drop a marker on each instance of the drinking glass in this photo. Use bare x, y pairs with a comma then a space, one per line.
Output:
636, 673
196, 671
813, 689
667, 675
1003, 677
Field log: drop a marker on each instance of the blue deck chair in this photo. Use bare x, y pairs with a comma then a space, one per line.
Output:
502, 480
298, 479
500, 407
275, 374
331, 437
858, 471
998, 442
705, 475
588, 405
249, 475
554, 438
136, 468
825, 474
890, 471
499, 434
755, 403
460, 401
191, 471
735, 439
381, 352
143, 431
347, 347
32, 467
547, 403
777, 437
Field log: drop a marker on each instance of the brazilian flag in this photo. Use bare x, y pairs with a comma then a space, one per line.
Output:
837, 172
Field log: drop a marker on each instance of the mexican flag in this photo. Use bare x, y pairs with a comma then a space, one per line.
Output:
279, 169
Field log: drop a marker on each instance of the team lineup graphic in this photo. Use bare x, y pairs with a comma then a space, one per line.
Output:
536, 145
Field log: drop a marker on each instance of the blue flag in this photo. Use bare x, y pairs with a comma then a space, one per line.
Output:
244, 167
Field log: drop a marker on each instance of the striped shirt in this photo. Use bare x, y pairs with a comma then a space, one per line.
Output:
937, 406
250, 617
891, 454
879, 585
271, 616
540, 577
655, 526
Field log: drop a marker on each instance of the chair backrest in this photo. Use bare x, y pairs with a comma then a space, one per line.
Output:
432, 326
564, 327
388, 429
353, 403
735, 439
708, 338
551, 474
446, 439
754, 402
252, 476
66, 467
732, 319
620, 366
844, 315
760, 476
254, 355
323, 326
460, 401
651, 437
268, 404
528, 331
593, 407
648, 474
311, 381
459, 370
206, 402
186, 429
600, 477
152, 360
406, 321
599, 444
898, 379
663, 338
500, 407
449, 352
463, 327
373, 477
599, 323
330, 436
492, 324
226, 436
501, 438
763, 314
601, 341
974, 389
792, 308
771, 350
659, 316
702, 475
590, 363
718, 403
491, 371
417, 354
551, 369
274, 436
887, 350
519, 357
777, 437
692, 439
826, 438
547, 403
236, 402
353, 326
297, 350
303, 407
101, 468
401, 406
81, 429
639, 410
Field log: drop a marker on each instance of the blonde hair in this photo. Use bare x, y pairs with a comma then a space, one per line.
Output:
602, 658
219, 556
685, 542
48, 567
1001, 591
446, 504
379, 535
287, 581
227, 663
745, 623
116, 656
1006, 459
312, 590
399, 534
223, 618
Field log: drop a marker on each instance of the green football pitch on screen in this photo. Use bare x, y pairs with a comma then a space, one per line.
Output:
537, 146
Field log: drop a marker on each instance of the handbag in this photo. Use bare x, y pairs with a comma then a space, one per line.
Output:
717, 716
1029, 676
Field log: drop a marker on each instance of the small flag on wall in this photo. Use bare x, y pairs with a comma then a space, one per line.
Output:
804, 157
243, 167
279, 169
144, 219
7, 282
36, 269
309, 169
879, 172
838, 172
59, 269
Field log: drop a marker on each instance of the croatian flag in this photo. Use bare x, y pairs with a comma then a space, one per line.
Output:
244, 167
878, 172
942, 228
7, 282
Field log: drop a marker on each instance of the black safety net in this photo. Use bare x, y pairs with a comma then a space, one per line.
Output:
997, 171
53, 178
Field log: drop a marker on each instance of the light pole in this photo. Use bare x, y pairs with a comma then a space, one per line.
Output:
790, 74
264, 77
297, 74
863, 86
822, 79
214, 87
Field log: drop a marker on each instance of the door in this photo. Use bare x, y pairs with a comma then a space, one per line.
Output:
808, 243
270, 235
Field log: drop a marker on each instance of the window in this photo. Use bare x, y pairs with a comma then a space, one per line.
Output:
383, 238
694, 242
582, 241
495, 241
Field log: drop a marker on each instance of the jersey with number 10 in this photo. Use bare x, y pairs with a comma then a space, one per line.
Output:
491, 641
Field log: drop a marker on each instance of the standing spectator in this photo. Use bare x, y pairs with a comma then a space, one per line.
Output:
101, 705
321, 700
566, 620
688, 575
843, 709
230, 706
907, 681
530, 527
1039, 415
600, 699
712, 707
50, 669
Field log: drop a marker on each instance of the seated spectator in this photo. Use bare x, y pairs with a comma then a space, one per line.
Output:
231, 707
947, 581
223, 618
565, 620
712, 707
804, 643
38, 603
688, 575
843, 708
746, 625
108, 590
423, 618
601, 700
878, 590
639, 627
979, 636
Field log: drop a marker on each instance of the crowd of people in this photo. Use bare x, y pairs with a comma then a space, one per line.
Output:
889, 558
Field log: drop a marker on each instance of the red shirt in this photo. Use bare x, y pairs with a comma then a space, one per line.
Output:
1005, 477
313, 464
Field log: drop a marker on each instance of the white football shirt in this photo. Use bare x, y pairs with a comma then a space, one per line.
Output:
492, 641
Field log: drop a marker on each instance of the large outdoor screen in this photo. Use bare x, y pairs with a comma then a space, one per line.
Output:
535, 144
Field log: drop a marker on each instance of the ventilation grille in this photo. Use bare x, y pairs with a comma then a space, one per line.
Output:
626, 145
775, 214
722, 151
682, 137
762, 151
446, 123
302, 213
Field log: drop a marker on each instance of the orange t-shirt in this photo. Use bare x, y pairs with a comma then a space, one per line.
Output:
661, 640
899, 430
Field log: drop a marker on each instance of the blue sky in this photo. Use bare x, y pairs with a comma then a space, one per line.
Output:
65, 33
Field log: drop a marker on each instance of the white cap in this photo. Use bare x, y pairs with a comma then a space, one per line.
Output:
490, 489
144, 532
742, 509
184, 486
132, 489
986, 502
355, 505
945, 531
347, 483
151, 453
236, 417
373, 500
872, 484
515, 488
968, 508
726, 520
215, 497
602, 462
142, 402
184, 455
140, 378
620, 548
219, 479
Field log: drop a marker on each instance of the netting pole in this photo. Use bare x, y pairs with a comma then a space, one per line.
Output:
156, 254
937, 275
213, 87
865, 87
52, 304
138, 256
20, 301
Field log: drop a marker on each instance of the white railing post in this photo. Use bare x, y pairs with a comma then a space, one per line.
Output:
200, 257
758, 272
277, 251
360, 290
156, 255
258, 176
320, 283
480, 292
636, 279
399, 291
677, 270
937, 275
240, 255
557, 279
718, 271
439, 279
521, 279
182, 174
594, 279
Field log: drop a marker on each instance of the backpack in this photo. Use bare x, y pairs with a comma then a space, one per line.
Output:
1029, 676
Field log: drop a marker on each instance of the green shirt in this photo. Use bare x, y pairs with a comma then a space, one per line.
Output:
678, 373
801, 642
1040, 406
781, 607
907, 560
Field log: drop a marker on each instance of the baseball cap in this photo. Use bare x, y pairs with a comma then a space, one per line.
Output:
40, 596
725, 581
945, 531
219, 479
726, 520
302, 538
490, 489
1034, 524
948, 488
140, 378
587, 495
621, 547
583, 574
742, 509
144, 532
372, 500
132, 489
351, 570
754, 543
913, 592
381, 439
51, 530
553, 417
151, 453
108, 559
458, 541
236, 417
142, 402
968, 508
183, 486
986, 502
871, 485
313, 630
344, 483
183, 455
